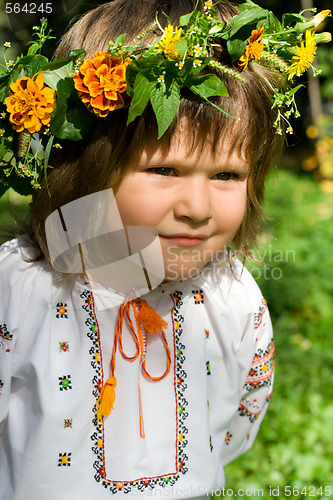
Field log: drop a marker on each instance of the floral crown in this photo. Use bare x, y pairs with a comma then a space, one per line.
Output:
42, 102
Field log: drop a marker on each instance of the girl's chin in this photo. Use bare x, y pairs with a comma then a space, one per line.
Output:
177, 273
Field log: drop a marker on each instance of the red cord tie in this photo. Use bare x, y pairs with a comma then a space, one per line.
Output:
147, 321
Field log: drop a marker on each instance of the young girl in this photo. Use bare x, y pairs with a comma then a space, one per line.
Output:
125, 391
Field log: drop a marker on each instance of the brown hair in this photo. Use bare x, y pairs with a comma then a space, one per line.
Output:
101, 160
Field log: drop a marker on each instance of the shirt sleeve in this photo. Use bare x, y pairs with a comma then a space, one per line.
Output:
256, 391
16, 291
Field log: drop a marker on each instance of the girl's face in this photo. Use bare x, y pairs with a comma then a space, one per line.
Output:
195, 201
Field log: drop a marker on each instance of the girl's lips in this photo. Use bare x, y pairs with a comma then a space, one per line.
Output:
185, 240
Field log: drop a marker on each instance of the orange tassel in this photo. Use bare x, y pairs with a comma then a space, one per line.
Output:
150, 320
106, 399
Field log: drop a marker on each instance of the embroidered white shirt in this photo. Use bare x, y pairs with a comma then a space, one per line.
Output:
56, 341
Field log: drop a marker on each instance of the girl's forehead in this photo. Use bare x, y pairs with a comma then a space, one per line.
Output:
183, 150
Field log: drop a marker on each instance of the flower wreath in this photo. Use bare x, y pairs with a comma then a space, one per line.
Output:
42, 102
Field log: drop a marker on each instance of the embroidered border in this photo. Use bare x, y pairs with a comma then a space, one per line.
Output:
251, 410
258, 317
180, 376
4, 333
262, 368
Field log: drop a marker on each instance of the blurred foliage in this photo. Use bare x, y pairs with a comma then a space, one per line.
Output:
13, 213
295, 443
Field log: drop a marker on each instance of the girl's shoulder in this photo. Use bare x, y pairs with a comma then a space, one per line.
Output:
235, 282
17, 256
24, 281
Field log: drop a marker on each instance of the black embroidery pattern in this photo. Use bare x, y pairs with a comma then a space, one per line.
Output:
61, 310
65, 383
4, 333
198, 296
142, 484
64, 459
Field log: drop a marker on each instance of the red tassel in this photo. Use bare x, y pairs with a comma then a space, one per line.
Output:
150, 320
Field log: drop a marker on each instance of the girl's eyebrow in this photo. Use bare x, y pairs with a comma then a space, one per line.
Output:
242, 167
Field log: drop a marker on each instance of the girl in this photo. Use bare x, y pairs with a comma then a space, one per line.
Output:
152, 394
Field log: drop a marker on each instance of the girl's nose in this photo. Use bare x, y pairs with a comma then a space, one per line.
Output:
193, 201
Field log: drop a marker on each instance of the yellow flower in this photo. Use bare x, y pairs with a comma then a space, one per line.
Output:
253, 49
321, 16
169, 42
31, 104
305, 55
101, 83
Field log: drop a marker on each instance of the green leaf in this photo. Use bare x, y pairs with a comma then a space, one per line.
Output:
216, 28
142, 89
271, 24
289, 19
70, 120
3, 150
184, 20
246, 17
34, 48
120, 39
28, 66
3, 189
294, 90
208, 86
195, 90
61, 68
236, 48
164, 98
182, 48
21, 185
46, 159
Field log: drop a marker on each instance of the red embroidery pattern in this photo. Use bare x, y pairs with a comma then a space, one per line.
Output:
64, 346
251, 410
262, 368
68, 423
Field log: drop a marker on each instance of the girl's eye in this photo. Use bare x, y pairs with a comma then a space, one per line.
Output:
225, 176
165, 171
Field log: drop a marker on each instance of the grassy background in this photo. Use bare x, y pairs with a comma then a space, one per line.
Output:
295, 444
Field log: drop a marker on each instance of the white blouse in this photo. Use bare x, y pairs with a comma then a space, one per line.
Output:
163, 438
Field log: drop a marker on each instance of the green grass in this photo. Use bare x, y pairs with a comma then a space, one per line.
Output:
295, 444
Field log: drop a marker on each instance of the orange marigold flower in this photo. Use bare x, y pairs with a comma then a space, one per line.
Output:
30, 104
253, 49
101, 83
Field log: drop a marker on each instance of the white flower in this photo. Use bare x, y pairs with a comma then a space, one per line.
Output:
7, 45
197, 63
